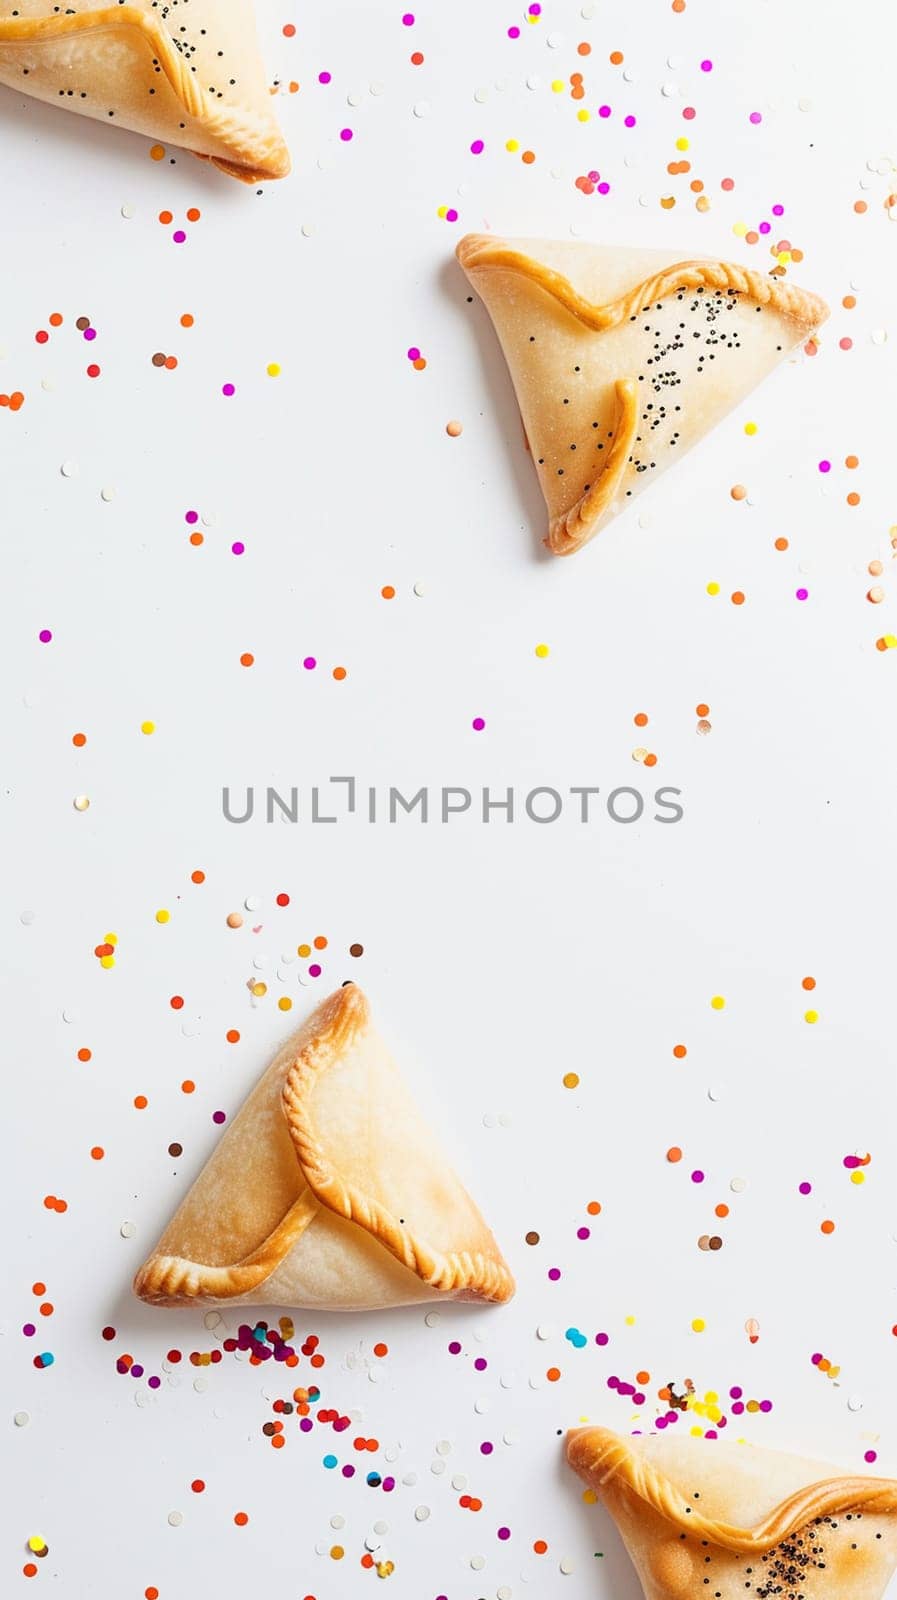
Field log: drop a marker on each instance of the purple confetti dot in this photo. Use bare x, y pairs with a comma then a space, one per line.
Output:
314, 970
323, 77
219, 1117
478, 724
477, 147
697, 1176
604, 111
736, 1393
778, 211
480, 1364
535, 10
90, 334
583, 1233
801, 594
345, 134
486, 1448
228, 389
348, 1472
29, 1330
766, 1406
805, 1188
638, 1399
613, 1383
601, 1338
45, 636
815, 1359
454, 1348
136, 1370
629, 122
553, 1274
388, 1484
765, 227
305, 1424
513, 33
154, 1382
408, 19
451, 215
755, 117
738, 1408
309, 663
706, 66
413, 353
191, 517
238, 547
661, 1422
870, 1456
504, 1533
179, 236
711, 1434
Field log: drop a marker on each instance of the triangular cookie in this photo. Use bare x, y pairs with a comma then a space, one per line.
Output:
622, 359
739, 1522
327, 1191
186, 71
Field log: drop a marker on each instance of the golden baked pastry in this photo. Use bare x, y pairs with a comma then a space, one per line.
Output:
622, 360
184, 71
327, 1191
740, 1522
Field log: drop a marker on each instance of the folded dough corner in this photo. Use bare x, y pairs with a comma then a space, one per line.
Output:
622, 359
327, 1191
701, 1516
187, 72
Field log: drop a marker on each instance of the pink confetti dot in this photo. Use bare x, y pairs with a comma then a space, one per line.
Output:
554, 1274
178, 236
765, 227
689, 113
755, 117
451, 215
323, 77
513, 33
45, 636
801, 594
228, 389
602, 1339
629, 122
535, 10
454, 1348
706, 66
778, 211
697, 1176
413, 353
477, 147
478, 724
314, 970
805, 1188
583, 1233
825, 466
870, 1456
604, 111
845, 344
604, 188
728, 184
90, 334
238, 547
345, 135
408, 19
309, 663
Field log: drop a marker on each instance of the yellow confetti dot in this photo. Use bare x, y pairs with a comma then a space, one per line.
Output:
783, 257
36, 1543
630, 1322
557, 86
147, 727
698, 1325
696, 1432
542, 651
259, 989
857, 1176
157, 152
284, 1003
273, 369
888, 641
583, 115
107, 961
739, 229
718, 1002
713, 588
682, 143
750, 429
811, 1016
110, 938
512, 145
571, 1080
163, 916
303, 950
589, 1497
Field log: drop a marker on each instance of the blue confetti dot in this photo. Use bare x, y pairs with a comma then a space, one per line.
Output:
330, 1461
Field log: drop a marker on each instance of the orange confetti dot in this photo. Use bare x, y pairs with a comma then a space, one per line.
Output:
232, 1036
640, 719
97, 1152
616, 58
853, 499
738, 598
157, 152
194, 214
702, 710
851, 461
84, 1054
539, 1547
241, 1518
171, 362
781, 544
151, 1593
674, 1153
61, 1206
643, 1377
246, 660
188, 1086
79, 739
808, 983
46, 1310
859, 207
197, 876
553, 1374
289, 30
381, 1349
55, 319
339, 673
738, 491
278, 1441
527, 158
186, 320
650, 760
848, 302
38, 1288
387, 592
16, 400
320, 942
827, 1227
721, 1210
678, 6
140, 1102
680, 1052
165, 217
594, 1208
417, 59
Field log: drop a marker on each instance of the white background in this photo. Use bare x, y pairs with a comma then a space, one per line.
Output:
497, 958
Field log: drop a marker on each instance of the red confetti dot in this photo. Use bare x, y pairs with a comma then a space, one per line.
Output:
289, 30
197, 1485
176, 1002
93, 370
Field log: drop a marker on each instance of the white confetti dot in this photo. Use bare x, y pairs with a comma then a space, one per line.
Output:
545, 1330
377, 88
738, 1185
477, 1563
391, 1454
142, 1398
69, 469
714, 1092
306, 230
431, 1319
674, 63
421, 108
555, 40
81, 802
508, 1380
409, 1480
421, 1513
459, 1482
127, 211
536, 1383
252, 903
566, 1567
804, 104
510, 1437
504, 1593
48, 385
588, 12
107, 493
71, 1014
200, 1385
381, 1528
533, 81
354, 99
437, 1468
854, 1403
26, 918
488, 1120
444, 1447
481, 96
668, 90
879, 336
481, 1407
628, 75
337, 1522
212, 1319
504, 1119
22, 1419
320, 1548
128, 1230
175, 1518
